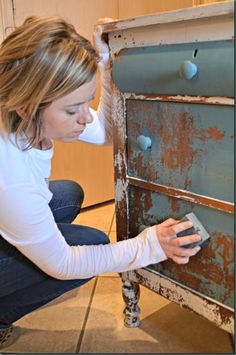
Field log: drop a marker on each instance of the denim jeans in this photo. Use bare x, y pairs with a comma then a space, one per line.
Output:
23, 286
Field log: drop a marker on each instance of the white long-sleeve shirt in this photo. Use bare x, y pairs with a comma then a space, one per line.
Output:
26, 220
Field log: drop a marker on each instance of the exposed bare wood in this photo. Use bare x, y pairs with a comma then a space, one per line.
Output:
182, 194
216, 312
186, 14
228, 101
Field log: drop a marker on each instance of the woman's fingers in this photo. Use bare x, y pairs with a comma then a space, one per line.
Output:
188, 239
172, 245
186, 252
181, 226
169, 222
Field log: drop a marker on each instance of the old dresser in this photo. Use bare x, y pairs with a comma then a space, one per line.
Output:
173, 148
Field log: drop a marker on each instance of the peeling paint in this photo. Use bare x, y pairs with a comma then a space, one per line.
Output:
211, 272
185, 147
217, 100
120, 190
217, 313
118, 161
210, 133
183, 195
131, 294
177, 153
206, 284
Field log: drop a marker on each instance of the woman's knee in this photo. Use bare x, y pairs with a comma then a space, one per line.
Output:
76, 191
82, 235
66, 201
101, 238
69, 188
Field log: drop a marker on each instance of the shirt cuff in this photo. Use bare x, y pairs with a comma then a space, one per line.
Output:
152, 235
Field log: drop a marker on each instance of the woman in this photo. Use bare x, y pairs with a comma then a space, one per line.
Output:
47, 79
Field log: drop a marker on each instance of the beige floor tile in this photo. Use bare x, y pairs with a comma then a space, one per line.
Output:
113, 227
165, 327
112, 237
97, 217
56, 327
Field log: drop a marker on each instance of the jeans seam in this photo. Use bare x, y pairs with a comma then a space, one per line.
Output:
61, 208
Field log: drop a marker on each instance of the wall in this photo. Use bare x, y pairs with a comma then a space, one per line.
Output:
1, 26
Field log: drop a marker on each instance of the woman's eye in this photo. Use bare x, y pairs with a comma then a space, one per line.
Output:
73, 112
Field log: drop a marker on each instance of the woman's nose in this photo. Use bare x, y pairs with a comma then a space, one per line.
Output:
85, 115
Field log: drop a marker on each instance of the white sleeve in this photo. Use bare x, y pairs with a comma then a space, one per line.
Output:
101, 129
26, 222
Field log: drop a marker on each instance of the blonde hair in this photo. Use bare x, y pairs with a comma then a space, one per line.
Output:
42, 60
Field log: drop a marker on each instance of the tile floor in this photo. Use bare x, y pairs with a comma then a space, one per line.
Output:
90, 320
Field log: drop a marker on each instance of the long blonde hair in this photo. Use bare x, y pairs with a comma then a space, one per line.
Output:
42, 60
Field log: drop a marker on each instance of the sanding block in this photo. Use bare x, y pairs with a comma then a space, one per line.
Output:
197, 228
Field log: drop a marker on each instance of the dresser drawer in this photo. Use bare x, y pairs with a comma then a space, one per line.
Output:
164, 70
192, 146
211, 271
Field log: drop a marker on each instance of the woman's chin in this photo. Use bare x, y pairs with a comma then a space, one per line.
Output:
67, 139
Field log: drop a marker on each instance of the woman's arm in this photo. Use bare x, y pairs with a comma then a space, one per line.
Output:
26, 221
101, 129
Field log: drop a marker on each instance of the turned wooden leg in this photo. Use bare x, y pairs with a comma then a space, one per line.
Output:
131, 293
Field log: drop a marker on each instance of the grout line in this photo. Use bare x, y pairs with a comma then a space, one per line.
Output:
98, 205
112, 220
79, 343
231, 337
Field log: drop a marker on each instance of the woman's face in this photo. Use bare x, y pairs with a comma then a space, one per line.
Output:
66, 118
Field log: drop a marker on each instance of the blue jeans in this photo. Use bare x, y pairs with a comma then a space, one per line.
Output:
23, 286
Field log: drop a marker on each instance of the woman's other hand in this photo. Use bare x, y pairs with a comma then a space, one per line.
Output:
100, 40
173, 245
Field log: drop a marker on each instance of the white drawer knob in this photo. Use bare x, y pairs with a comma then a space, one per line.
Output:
187, 70
144, 142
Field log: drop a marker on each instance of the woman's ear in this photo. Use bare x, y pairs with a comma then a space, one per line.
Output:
21, 112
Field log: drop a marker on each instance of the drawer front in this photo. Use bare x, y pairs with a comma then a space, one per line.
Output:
192, 146
211, 271
164, 70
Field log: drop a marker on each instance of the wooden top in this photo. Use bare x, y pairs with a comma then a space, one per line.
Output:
191, 13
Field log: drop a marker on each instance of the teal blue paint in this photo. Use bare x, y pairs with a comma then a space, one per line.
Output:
156, 69
212, 269
204, 166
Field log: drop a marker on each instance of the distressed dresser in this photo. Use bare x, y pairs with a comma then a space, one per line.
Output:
173, 107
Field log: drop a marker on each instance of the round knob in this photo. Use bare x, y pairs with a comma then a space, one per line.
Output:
188, 70
144, 142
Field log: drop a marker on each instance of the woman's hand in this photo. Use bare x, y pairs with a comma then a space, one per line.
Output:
100, 40
172, 245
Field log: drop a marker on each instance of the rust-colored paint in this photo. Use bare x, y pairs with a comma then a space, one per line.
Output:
231, 40
139, 202
120, 54
151, 169
214, 133
210, 133
178, 153
184, 195
207, 267
174, 204
210, 272
225, 315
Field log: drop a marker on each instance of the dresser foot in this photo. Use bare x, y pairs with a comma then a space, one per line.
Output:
131, 293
